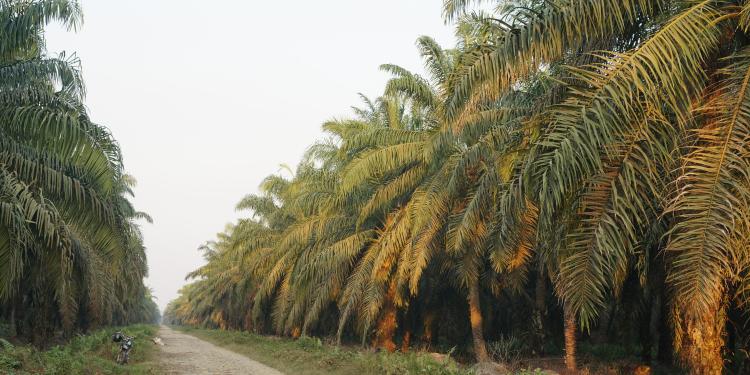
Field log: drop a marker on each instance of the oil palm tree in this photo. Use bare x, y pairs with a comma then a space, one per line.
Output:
65, 215
589, 143
652, 126
451, 174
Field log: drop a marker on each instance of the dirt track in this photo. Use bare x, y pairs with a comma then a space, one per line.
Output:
185, 354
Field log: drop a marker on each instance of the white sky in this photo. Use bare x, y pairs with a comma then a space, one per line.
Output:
208, 97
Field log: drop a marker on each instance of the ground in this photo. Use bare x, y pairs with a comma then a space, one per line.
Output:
314, 356
209, 351
185, 354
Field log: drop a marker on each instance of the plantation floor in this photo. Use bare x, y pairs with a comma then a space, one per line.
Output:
185, 354
310, 356
90, 354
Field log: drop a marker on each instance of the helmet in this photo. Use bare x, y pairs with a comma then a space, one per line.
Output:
117, 337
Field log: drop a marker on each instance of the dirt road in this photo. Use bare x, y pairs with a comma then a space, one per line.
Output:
185, 354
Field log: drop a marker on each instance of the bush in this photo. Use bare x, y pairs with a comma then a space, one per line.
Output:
89, 354
309, 343
415, 363
507, 349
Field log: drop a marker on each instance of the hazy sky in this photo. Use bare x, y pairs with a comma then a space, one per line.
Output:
208, 97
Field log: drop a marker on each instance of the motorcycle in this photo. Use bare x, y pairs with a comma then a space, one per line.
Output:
126, 344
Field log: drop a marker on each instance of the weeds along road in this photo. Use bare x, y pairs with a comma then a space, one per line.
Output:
185, 354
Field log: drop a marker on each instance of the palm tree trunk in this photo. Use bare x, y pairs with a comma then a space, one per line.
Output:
540, 312
649, 325
247, 324
666, 341
611, 318
386, 330
12, 328
570, 341
406, 342
429, 327
475, 316
296, 332
702, 342
388, 322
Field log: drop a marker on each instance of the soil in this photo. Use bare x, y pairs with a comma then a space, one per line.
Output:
185, 354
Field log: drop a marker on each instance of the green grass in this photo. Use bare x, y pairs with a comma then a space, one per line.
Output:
309, 356
90, 354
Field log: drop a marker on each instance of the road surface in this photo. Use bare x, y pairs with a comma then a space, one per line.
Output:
185, 354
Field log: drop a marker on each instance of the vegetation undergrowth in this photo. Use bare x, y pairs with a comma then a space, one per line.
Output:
311, 356
86, 354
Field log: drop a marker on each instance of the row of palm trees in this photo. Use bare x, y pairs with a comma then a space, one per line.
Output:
71, 252
580, 162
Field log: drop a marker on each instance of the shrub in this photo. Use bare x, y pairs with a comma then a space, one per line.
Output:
506, 349
89, 354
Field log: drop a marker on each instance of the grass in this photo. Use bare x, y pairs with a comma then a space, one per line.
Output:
310, 356
89, 354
